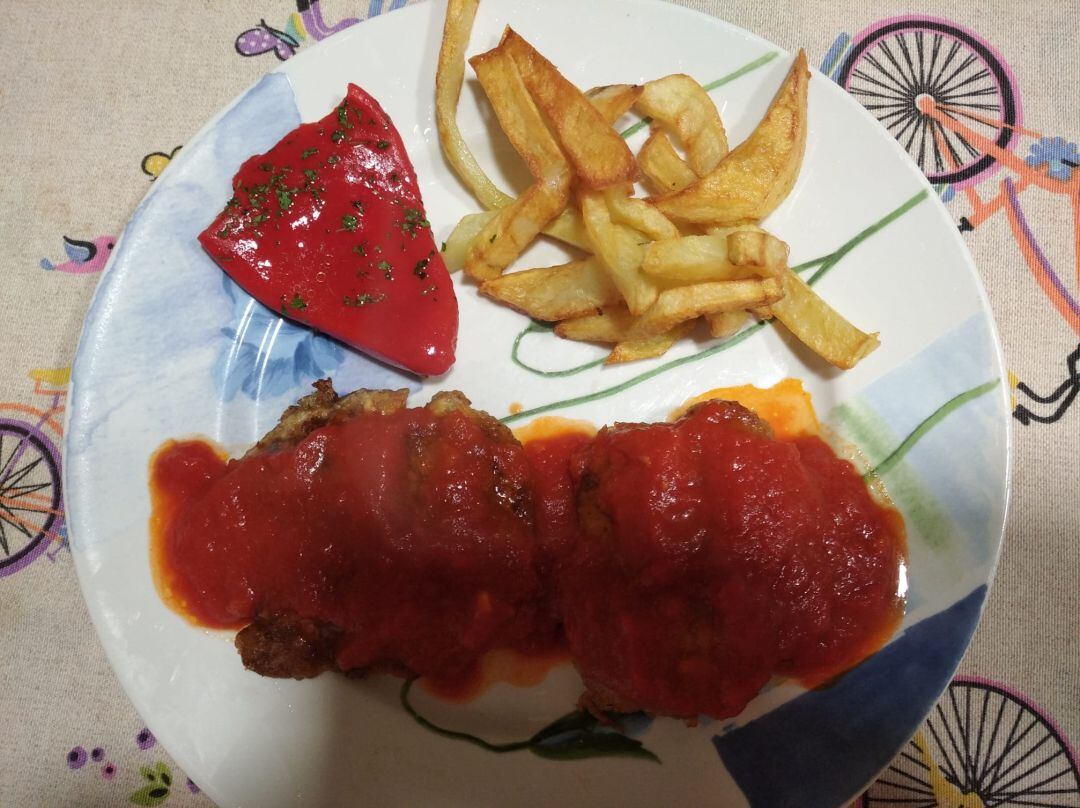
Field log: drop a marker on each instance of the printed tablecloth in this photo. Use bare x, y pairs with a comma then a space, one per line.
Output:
99, 96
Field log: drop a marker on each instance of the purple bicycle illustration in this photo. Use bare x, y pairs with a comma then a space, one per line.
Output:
31, 502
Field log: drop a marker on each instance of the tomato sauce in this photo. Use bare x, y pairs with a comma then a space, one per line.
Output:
386, 527
679, 565
328, 228
713, 557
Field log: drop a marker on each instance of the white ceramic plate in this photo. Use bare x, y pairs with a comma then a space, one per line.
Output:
171, 349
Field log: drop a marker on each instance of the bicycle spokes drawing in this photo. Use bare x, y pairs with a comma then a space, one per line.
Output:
31, 503
983, 746
953, 103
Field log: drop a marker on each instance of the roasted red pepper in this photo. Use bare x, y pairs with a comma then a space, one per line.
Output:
328, 228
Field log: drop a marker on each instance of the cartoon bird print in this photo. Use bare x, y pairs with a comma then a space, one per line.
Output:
155, 162
84, 257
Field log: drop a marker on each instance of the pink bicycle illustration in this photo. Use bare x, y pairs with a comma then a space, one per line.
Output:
31, 503
952, 102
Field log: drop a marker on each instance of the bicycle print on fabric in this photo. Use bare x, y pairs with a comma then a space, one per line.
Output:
31, 503
952, 101
984, 745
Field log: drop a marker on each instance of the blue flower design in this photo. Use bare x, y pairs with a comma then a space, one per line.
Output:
1058, 154
266, 355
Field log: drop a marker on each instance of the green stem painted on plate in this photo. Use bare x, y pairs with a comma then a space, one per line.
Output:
535, 328
749, 67
635, 380
574, 736
833, 259
826, 263
454, 734
932, 420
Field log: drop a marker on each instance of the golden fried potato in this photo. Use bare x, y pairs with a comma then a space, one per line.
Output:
754, 178
682, 107
737, 255
620, 250
681, 303
638, 214
555, 293
448, 79
600, 157
611, 324
457, 243
647, 347
506, 236
614, 100
818, 326
663, 166
723, 324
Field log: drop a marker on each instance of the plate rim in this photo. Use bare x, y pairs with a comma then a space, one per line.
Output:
365, 27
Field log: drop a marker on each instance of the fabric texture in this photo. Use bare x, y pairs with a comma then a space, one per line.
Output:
99, 96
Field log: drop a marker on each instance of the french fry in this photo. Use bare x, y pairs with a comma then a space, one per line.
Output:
600, 157
673, 306
734, 256
448, 80
682, 303
457, 243
515, 226
818, 326
555, 293
610, 324
754, 178
620, 251
647, 347
638, 214
663, 166
681, 106
614, 100
723, 324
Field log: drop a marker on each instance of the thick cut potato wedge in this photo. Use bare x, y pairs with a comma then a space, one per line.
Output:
610, 324
506, 236
448, 80
734, 256
723, 324
818, 326
673, 306
638, 214
614, 100
648, 347
600, 157
555, 293
754, 178
681, 106
620, 250
663, 166
682, 303
457, 243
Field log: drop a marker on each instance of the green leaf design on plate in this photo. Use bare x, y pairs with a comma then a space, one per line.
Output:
588, 744
573, 736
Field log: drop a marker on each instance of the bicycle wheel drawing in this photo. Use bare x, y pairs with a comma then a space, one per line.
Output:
30, 500
985, 745
892, 64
